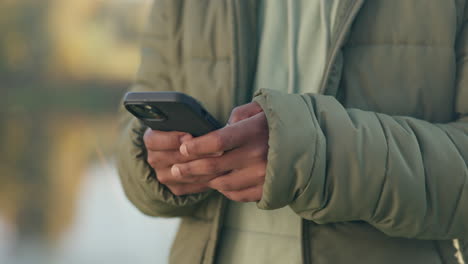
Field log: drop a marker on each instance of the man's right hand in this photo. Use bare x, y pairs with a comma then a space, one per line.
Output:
163, 153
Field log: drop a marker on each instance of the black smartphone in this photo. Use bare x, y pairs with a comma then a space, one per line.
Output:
170, 111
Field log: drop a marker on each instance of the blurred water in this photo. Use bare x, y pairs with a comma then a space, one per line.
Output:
107, 229
7, 241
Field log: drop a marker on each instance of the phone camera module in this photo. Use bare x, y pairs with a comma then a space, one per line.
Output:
149, 112
155, 113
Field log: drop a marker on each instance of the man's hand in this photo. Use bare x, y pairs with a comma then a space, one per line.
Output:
163, 153
242, 166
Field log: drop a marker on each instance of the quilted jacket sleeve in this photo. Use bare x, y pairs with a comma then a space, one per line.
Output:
407, 177
137, 177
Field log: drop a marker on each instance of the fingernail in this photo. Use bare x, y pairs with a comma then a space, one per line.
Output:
217, 154
175, 171
183, 149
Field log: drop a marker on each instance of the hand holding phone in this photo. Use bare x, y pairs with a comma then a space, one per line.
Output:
163, 154
238, 174
172, 118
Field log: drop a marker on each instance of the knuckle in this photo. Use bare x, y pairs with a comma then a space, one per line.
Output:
151, 160
236, 114
157, 156
259, 152
156, 159
163, 158
162, 178
223, 185
185, 171
236, 110
261, 170
210, 166
233, 196
218, 142
176, 159
186, 175
147, 138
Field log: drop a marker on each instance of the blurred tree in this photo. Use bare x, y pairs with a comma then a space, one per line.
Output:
89, 36
24, 45
23, 50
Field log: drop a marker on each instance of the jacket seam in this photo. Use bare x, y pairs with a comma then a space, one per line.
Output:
453, 143
427, 193
236, 47
385, 176
342, 30
313, 166
464, 182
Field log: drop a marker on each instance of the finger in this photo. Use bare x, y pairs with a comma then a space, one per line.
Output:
240, 179
159, 140
184, 189
244, 111
165, 159
234, 159
165, 177
225, 138
253, 194
197, 169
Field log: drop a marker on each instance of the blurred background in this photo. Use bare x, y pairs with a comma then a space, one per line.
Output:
64, 66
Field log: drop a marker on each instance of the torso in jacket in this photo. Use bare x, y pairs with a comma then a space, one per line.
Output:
293, 43
398, 58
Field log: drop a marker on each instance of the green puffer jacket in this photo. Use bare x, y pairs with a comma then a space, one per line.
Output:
376, 164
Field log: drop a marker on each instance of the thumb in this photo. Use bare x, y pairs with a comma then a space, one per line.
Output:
244, 111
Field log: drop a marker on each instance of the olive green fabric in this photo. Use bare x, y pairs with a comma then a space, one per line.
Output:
379, 162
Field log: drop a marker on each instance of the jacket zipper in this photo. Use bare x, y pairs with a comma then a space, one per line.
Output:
236, 51
345, 28
210, 257
339, 42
